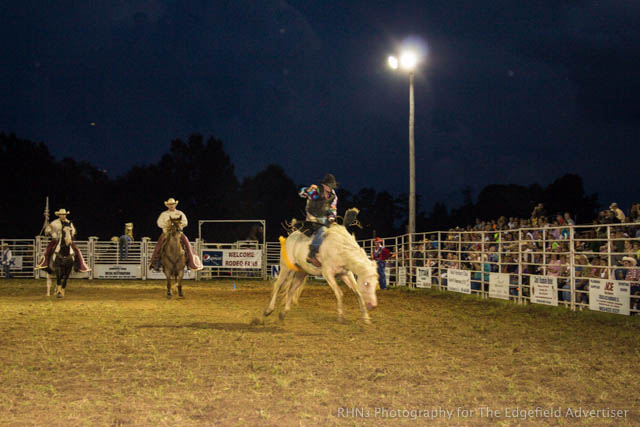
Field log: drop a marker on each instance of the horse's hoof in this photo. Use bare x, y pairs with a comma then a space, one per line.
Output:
180, 296
367, 321
282, 315
59, 296
341, 319
267, 312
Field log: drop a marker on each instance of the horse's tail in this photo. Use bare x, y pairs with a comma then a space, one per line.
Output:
285, 257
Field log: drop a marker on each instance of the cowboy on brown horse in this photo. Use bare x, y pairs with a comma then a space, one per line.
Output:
193, 261
55, 231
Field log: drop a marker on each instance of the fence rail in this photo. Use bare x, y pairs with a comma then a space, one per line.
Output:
576, 266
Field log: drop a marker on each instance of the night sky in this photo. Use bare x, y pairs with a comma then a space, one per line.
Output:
509, 92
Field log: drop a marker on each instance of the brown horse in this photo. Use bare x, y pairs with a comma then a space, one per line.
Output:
173, 257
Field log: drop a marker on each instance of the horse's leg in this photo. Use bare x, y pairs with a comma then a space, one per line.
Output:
180, 277
168, 284
331, 280
65, 277
48, 284
296, 287
350, 280
296, 280
58, 283
284, 273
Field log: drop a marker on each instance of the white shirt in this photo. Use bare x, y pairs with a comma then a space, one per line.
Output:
163, 219
6, 256
55, 229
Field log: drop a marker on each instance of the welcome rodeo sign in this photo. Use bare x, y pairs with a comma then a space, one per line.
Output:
232, 258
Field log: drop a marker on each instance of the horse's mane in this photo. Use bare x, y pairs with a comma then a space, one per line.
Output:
348, 249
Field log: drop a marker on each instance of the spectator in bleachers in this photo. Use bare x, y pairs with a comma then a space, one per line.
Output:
634, 213
555, 266
617, 213
568, 220
582, 273
633, 277
538, 211
476, 268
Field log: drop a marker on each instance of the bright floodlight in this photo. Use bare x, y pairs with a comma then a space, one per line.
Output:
408, 60
393, 62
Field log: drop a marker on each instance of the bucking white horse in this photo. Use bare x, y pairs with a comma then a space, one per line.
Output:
341, 258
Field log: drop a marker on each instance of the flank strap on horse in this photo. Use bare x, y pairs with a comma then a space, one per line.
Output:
285, 258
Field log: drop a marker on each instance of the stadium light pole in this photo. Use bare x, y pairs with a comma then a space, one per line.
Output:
408, 61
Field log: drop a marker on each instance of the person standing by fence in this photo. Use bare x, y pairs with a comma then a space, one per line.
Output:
380, 255
6, 260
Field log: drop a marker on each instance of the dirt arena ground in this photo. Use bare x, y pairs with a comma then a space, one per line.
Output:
120, 353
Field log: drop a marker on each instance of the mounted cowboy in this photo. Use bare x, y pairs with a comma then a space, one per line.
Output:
321, 211
55, 231
193, 261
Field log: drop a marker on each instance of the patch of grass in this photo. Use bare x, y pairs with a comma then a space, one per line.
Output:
120, 353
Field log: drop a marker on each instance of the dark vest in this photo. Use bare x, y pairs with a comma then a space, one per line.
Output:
319, 208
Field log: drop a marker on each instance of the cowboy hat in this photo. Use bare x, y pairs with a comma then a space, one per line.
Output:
330, 181
613, 205
630, 259
62, 211
171, 201
378, 239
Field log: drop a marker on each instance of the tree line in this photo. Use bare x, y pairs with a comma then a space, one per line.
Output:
201, 175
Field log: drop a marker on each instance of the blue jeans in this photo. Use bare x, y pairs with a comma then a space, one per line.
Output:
7, 271
318, 237
382, 279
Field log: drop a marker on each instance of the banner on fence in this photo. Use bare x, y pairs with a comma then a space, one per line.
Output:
544, 290
459, 280
499, 285
113, 271
423, 277
611, 296
402, 276
232, 258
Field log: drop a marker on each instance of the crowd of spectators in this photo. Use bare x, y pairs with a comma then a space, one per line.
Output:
552, 245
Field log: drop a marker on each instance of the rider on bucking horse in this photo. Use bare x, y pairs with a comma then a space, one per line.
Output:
55, 231
193, 261
321, 212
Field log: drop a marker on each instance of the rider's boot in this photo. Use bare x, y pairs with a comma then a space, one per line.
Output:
311, 258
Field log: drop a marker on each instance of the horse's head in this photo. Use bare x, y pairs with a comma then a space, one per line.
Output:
367, 286
175, 224
67, 234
